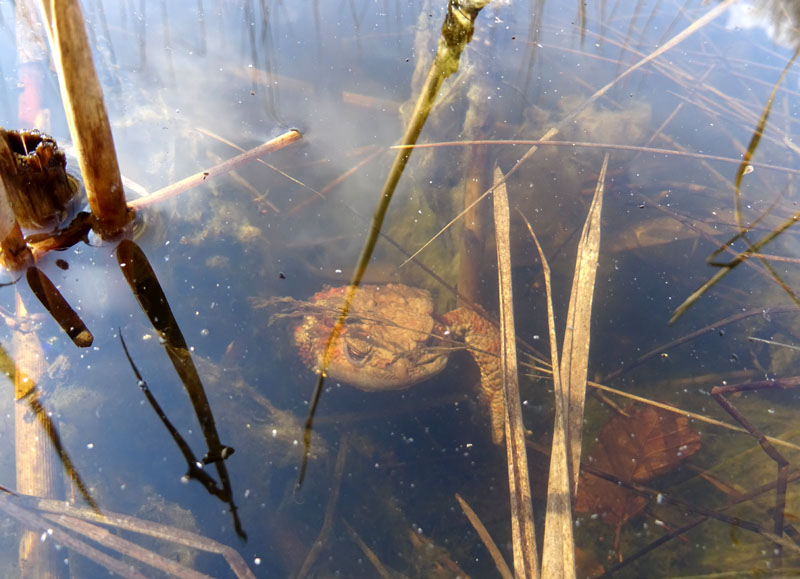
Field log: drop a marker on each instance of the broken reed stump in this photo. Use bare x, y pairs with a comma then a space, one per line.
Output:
35, 191
41, 189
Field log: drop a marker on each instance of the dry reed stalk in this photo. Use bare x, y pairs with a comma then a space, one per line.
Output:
157, 531
35, 464
86, 114
523, 533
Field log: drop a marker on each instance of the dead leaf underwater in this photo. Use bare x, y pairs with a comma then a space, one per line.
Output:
637, 447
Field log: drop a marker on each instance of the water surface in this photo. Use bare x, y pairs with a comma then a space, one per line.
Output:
185, 82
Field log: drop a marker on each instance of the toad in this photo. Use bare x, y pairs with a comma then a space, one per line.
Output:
393, 340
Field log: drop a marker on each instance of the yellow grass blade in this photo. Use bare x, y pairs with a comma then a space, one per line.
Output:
558, 552
522, 529
577, 333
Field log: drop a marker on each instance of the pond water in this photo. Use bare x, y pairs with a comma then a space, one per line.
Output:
191, 84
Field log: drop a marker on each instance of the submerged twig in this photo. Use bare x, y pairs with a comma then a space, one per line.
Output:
737, 500
330, 510
694, 415
718, 393
488, 542
380, 568
751, 249
545, 141
714, 327
546, 138
726, 269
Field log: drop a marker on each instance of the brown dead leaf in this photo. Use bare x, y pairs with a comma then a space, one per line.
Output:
646, 443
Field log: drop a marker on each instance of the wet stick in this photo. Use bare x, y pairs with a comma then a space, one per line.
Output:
191, 181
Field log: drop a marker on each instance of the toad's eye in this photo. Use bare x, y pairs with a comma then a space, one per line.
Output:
357, 352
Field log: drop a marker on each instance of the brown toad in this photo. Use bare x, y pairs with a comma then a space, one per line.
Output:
392, 340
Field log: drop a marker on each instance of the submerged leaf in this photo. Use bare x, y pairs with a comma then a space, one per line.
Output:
637, 447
